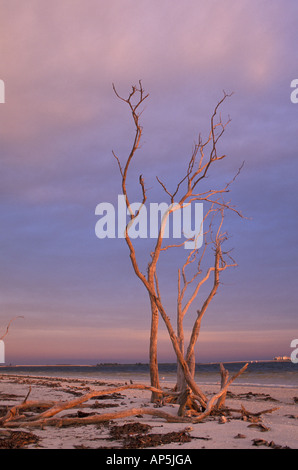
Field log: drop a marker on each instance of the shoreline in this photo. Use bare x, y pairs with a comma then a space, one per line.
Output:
280, 426
103, 364
147, 381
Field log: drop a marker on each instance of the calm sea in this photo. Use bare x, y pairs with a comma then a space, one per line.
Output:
282, 374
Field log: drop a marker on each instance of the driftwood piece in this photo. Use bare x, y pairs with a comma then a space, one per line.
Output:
53, 408
211, 402
13, 418
48, 417
13, 413
224, 379
248, 414
98, 418
61, 406
184, 400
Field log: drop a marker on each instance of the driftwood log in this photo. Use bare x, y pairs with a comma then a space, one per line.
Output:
46, 411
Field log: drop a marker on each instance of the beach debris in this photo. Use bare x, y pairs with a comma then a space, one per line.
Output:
252, 396
76, 393
255, 417
78, 414
158, 404
135, 436
222, 420
251, 419
9, 396
154, 440
39, 414
196, 412
17, 439
104, 405
110, 396
83, 414
271, 444
259, 426
117, 432
188, 429
240, 436
295, 400
258, 396
260, 442
202, 438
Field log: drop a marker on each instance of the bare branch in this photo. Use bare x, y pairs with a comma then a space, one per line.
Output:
8, 326
217, 396
119, 164
165, 189
141, 97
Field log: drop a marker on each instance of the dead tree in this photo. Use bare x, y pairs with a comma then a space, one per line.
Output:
202, 159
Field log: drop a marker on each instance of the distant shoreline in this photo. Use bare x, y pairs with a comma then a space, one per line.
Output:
103, 364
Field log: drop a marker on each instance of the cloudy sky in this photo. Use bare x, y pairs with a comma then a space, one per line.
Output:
78, 295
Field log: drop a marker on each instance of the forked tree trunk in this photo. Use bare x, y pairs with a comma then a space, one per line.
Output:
181, 385
184, 366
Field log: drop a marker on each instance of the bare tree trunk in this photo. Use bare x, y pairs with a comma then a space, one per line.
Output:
224, 380
192, 364
154, 375
181, 384
188, 377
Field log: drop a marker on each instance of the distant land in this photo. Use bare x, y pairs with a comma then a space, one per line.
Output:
109, 364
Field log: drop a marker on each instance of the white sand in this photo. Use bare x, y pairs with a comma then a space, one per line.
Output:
283, 423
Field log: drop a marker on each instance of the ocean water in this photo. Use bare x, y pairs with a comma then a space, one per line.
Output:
262, 373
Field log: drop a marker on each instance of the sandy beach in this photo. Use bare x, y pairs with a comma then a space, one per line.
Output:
276, 429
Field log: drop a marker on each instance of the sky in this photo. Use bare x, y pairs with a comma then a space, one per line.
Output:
78, 295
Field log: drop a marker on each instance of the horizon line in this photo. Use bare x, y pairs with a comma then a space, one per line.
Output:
138, 363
